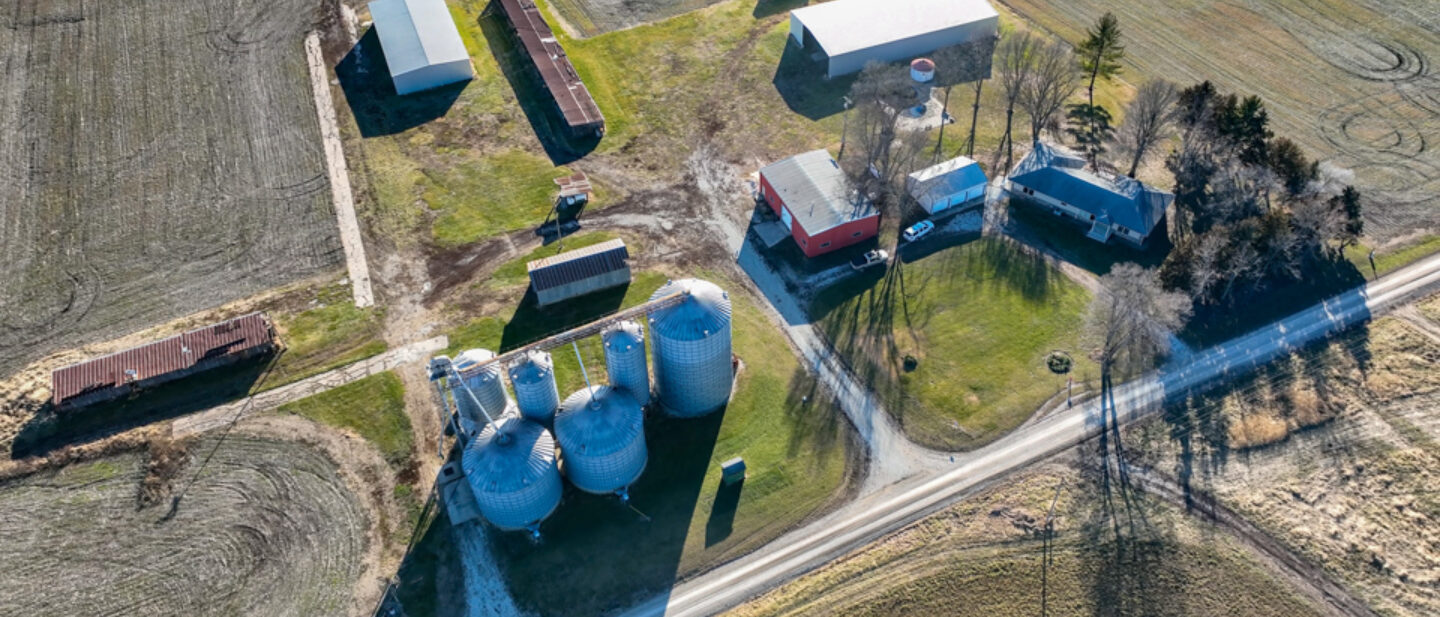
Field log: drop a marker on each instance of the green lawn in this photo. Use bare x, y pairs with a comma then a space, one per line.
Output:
1392, 258
794, 441
980, 318
333, 334
373, 407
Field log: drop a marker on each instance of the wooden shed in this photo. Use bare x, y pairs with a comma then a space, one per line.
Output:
579, 272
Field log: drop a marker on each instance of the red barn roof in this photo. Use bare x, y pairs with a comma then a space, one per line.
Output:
176, 353
576, 105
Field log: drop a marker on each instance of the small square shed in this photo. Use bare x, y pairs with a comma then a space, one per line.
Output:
579, 272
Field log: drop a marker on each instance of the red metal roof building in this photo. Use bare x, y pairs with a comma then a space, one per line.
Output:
816, 205
578, 111
109, 377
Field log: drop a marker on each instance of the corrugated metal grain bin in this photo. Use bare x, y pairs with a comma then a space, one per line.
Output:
625, 359
691, 344
602, 437
514, 473
533, 377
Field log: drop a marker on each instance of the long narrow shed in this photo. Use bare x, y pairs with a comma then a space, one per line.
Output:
109, 377
578, 112
423, 48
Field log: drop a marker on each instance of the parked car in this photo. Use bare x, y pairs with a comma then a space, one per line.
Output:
870, 258
918, 231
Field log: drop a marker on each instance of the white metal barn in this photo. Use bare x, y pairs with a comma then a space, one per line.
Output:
851, 33
955, 182
422, 46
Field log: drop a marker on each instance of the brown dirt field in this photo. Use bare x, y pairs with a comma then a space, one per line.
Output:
1352, 81
269, 528
1354, 494
158, 159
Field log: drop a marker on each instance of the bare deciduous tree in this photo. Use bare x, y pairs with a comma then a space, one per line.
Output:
879, 95
1013, 63
1133, 318
1148, 121
1052, 79
970, 62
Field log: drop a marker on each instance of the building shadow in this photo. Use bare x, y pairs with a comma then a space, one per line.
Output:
722, 513
531, 322
51, 429
800, 80
1065, 238
535, 102
606, 553
766, 8
365, 78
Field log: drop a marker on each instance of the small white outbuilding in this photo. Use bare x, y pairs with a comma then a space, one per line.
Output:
422, 46
955, 182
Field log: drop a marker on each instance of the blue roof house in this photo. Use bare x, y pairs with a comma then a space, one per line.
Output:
1109, 206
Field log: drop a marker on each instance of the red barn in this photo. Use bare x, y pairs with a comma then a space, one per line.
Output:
810, 194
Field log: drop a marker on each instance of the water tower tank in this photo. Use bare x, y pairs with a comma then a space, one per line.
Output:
533, 376
691, 345
514, 473
601, 432
922, 70
625, 359
487, 385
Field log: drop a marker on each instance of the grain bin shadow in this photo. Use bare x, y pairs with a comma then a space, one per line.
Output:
378, 109
599, 555
530, 91
50, 429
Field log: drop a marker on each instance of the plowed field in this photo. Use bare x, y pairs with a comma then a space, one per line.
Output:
268, 528
156, 158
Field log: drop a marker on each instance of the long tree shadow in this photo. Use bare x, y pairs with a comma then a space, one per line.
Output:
1127, 547
530, 92
378, 109
51, 429
606, 553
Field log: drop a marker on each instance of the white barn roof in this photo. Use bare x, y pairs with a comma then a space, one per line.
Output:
416, 34
845, 26
815, 191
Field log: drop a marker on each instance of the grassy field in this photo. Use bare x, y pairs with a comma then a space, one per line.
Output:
1389, 258
267, 528
332, 334
373, 407
1333, 453
985, 555
1351, 81
139, 187
796, 445
980, 319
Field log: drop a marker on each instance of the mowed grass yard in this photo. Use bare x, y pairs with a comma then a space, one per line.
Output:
373, 408
980, 318
798, 449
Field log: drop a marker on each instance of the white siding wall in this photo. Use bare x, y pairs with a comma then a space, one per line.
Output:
433, 76
906, 49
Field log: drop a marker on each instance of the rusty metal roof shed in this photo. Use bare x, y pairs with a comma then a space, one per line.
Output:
578, 265
577, 107
177, 353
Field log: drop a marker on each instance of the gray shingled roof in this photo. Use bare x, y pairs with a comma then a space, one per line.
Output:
944, 179
1060, 174
578, 265
815, 191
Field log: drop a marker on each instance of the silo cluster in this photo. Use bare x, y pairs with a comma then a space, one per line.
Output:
602, 436
514, 472
691, 345
625, 359
533, 377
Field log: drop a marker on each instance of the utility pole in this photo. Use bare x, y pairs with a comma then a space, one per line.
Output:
1045, 556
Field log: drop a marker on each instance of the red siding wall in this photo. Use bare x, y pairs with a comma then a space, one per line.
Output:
838, 237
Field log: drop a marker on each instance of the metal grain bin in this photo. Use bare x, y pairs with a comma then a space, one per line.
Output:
625, 359
514, 473
691, 345
533, 377
487, 385
601, 430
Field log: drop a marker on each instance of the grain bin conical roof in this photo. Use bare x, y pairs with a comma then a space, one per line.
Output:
602, 435
704, 312
513, 471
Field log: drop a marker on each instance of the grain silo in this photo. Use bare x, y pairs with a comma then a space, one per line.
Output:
625, 359
691, 345
485, 383
513, 472
602, 435
533, 377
